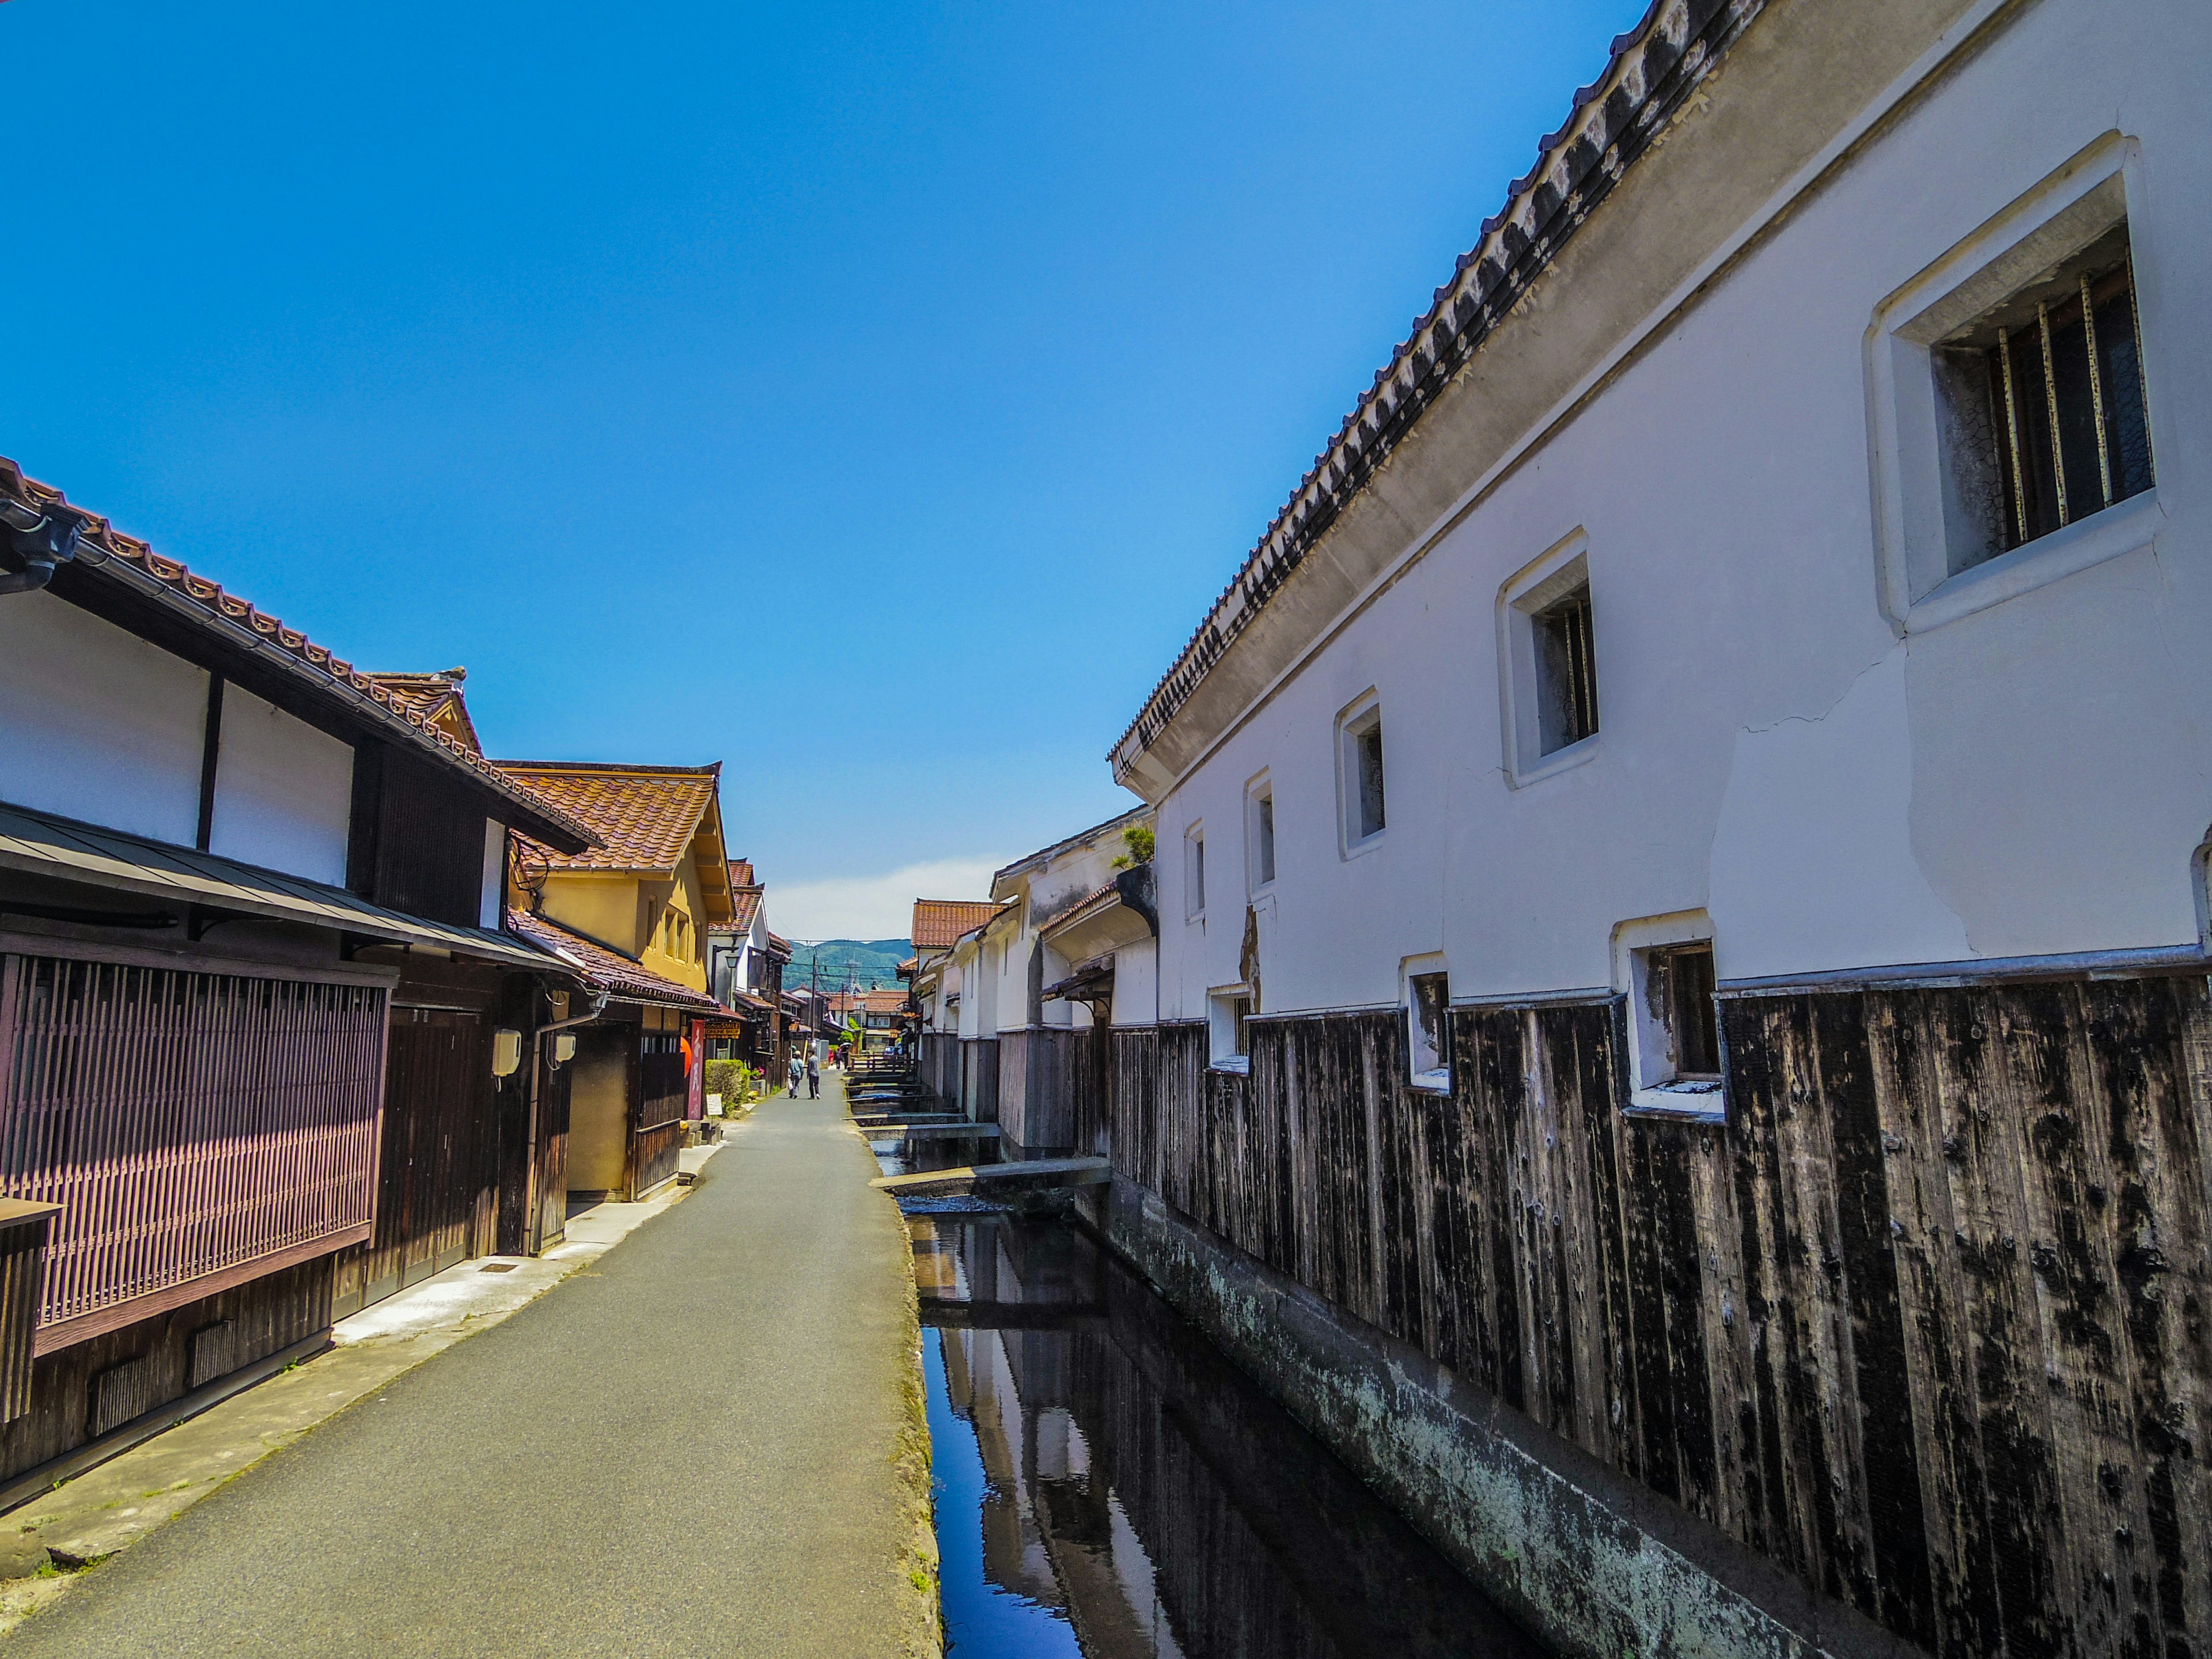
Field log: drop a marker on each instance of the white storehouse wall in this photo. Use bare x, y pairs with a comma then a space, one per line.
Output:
97, 724
2027, 778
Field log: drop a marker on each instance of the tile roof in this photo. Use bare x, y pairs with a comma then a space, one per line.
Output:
1136, 814
609, 970
883, 1002
745, 904
1651, 70
429, 696
103, 547
644, 817
938, 922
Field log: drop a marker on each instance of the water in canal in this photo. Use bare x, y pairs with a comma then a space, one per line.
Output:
1109, 1486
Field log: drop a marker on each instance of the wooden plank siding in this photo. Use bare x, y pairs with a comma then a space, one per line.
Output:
438, 1173
1929, 1321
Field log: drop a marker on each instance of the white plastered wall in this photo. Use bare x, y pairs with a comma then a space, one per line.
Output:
283, 792
2030, 778
96, 724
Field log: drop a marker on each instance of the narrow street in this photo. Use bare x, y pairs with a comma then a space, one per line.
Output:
692, 1448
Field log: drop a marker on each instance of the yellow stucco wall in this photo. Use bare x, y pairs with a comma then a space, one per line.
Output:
598, 1113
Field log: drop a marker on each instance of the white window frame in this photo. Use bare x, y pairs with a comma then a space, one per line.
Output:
1436, 1078
1221, 1029
1652, 1086
1260, 871
1194, 873
1363, 713
1920, 587
1552, 575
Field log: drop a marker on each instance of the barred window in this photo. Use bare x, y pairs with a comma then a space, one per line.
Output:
2046, 391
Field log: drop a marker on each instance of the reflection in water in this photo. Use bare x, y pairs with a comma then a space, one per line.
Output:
1113, 1486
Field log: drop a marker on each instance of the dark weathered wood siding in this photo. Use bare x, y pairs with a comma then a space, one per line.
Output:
262, 1317
979, 1078
437, 1176
1040, 1070
1929, 1321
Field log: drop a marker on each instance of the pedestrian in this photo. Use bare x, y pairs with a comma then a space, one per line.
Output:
813, 1076
791, 1077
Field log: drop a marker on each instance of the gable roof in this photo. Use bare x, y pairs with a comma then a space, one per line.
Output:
745, 905
436, 701
1650, 72
939, 922
619, 975
645, 817
114, 574
1045, 855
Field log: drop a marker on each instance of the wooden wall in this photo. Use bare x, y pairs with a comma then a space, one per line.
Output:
1929, 1321
979, 1078
437, 1173
150, 1363
1039, 1070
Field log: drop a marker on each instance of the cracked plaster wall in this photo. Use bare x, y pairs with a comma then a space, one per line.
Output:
2031, 778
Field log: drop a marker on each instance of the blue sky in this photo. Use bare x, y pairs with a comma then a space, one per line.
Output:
869, 398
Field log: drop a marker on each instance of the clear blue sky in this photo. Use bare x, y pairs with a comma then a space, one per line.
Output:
872, 398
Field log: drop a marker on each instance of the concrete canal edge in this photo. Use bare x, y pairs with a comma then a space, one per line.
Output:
1587, 1562
921, 1608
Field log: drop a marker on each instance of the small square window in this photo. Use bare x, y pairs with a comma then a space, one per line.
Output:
1666, 967
1428, 1031
1566, 671
1229, 1028
2046, 421
2010, 388
1259, 817
1547, 664
1360, 777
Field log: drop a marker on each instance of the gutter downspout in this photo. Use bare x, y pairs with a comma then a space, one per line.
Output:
533, 1240
40, 540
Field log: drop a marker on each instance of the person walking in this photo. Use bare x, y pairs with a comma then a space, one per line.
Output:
813, 1076
791, 1077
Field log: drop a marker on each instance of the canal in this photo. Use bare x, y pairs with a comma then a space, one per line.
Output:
1109, 1485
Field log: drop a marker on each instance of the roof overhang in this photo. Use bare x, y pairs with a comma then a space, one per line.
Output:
1597, 250
118, 590
41, 844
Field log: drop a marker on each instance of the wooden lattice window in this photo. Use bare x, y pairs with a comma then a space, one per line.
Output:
196, 1128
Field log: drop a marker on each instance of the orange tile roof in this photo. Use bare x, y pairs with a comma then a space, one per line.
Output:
429, 696
610, 970
644, 817
938, 922
883, 1002
100, 545
745, 905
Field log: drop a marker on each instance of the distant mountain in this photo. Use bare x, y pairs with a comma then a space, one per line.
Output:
873, 963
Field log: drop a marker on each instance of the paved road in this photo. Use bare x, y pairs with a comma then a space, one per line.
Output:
690, 1449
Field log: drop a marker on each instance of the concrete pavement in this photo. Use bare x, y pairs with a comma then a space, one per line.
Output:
708, 1441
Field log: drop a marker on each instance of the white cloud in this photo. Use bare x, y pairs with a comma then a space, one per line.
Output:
872, 907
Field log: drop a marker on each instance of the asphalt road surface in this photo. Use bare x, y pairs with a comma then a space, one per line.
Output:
687, 1448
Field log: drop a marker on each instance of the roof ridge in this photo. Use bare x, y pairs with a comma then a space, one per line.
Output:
1610, 124
209, 597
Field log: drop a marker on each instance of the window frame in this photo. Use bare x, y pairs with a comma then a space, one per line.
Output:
1223, 1027
1925, 580
1260, 853
1194, 872
1534, 588
1412, 972
1357, 719
1655, 1083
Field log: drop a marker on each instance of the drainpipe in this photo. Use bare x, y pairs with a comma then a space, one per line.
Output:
530, 1201
40, 540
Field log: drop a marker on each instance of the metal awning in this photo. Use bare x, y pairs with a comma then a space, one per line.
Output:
62, 849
